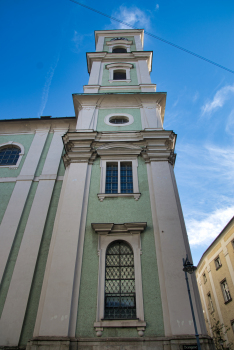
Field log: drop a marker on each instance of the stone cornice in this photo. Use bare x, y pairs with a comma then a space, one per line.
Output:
153, 145
111, 228
116, 57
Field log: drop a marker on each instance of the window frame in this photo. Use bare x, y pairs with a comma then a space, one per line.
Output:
204, 277
210, 301
232, 325
110, 116
102, 195
226, 299
112, 67
217, 262
18, 145
130, 233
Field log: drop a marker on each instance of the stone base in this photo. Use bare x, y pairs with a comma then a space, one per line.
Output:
144, 343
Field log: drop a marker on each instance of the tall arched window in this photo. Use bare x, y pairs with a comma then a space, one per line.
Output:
9, 155
120, 297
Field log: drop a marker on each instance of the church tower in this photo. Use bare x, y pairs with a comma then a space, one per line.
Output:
113, 277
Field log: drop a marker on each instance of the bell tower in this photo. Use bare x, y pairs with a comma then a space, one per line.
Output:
114, 271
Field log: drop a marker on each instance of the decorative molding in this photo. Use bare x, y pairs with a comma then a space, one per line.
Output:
208, 268
139, 325
102, 196
111, 228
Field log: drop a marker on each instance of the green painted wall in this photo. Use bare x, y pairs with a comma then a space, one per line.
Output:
61, 169
26, 141
15, 248
119, 210
122, 90
44, 155
135, 112
133, 76
132, 48
6, 189
33, 301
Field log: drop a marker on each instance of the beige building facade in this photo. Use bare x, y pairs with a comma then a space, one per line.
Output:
215, 276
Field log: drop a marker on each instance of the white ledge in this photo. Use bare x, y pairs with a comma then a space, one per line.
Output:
120, 323
102, 196
120, 80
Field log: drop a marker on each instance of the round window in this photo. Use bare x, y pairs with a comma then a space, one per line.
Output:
119, 120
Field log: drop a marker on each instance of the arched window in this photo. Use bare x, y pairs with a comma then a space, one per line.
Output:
120, 297
9, 155
119, 50
119, 75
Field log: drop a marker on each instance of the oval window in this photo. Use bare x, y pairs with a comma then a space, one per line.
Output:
119, 120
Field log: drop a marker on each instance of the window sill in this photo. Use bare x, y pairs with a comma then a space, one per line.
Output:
102, 196
218, 267
228, 301
120, 80
140, 325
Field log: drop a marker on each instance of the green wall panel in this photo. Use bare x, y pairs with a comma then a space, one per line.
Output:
33, 301
15, 248
119, 210
26, 141
6, 189
61, 169
132, 48
135, 112
44, 155
133, 76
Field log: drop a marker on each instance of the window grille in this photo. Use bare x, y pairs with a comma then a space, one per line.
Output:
120, 297
225, 290
9, 155
119, 75
119, 50
119, 120
113, 178
126, 178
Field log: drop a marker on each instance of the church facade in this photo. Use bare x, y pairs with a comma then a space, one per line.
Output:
92, 233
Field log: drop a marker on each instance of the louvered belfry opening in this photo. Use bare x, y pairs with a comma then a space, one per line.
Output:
120, 298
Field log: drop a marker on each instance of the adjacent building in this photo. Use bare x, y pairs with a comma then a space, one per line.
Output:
92, 233
215, 276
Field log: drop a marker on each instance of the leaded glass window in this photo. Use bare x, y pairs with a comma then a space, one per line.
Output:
9, 155
126, 178
116, 183
112, 178
120, 297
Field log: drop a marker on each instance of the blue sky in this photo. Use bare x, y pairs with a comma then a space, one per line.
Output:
43, 61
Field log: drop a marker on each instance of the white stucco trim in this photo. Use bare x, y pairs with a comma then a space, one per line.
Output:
109, 116
119, 43
12, 143
106, 235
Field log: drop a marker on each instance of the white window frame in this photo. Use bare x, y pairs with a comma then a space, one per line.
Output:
130, 233
109, 116
225, 291
12, 143
112, 67
121, 43
104, 160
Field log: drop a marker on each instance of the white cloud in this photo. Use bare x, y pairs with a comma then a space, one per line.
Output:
46, 88
218, 101
157, 7
134, 16
203, 232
